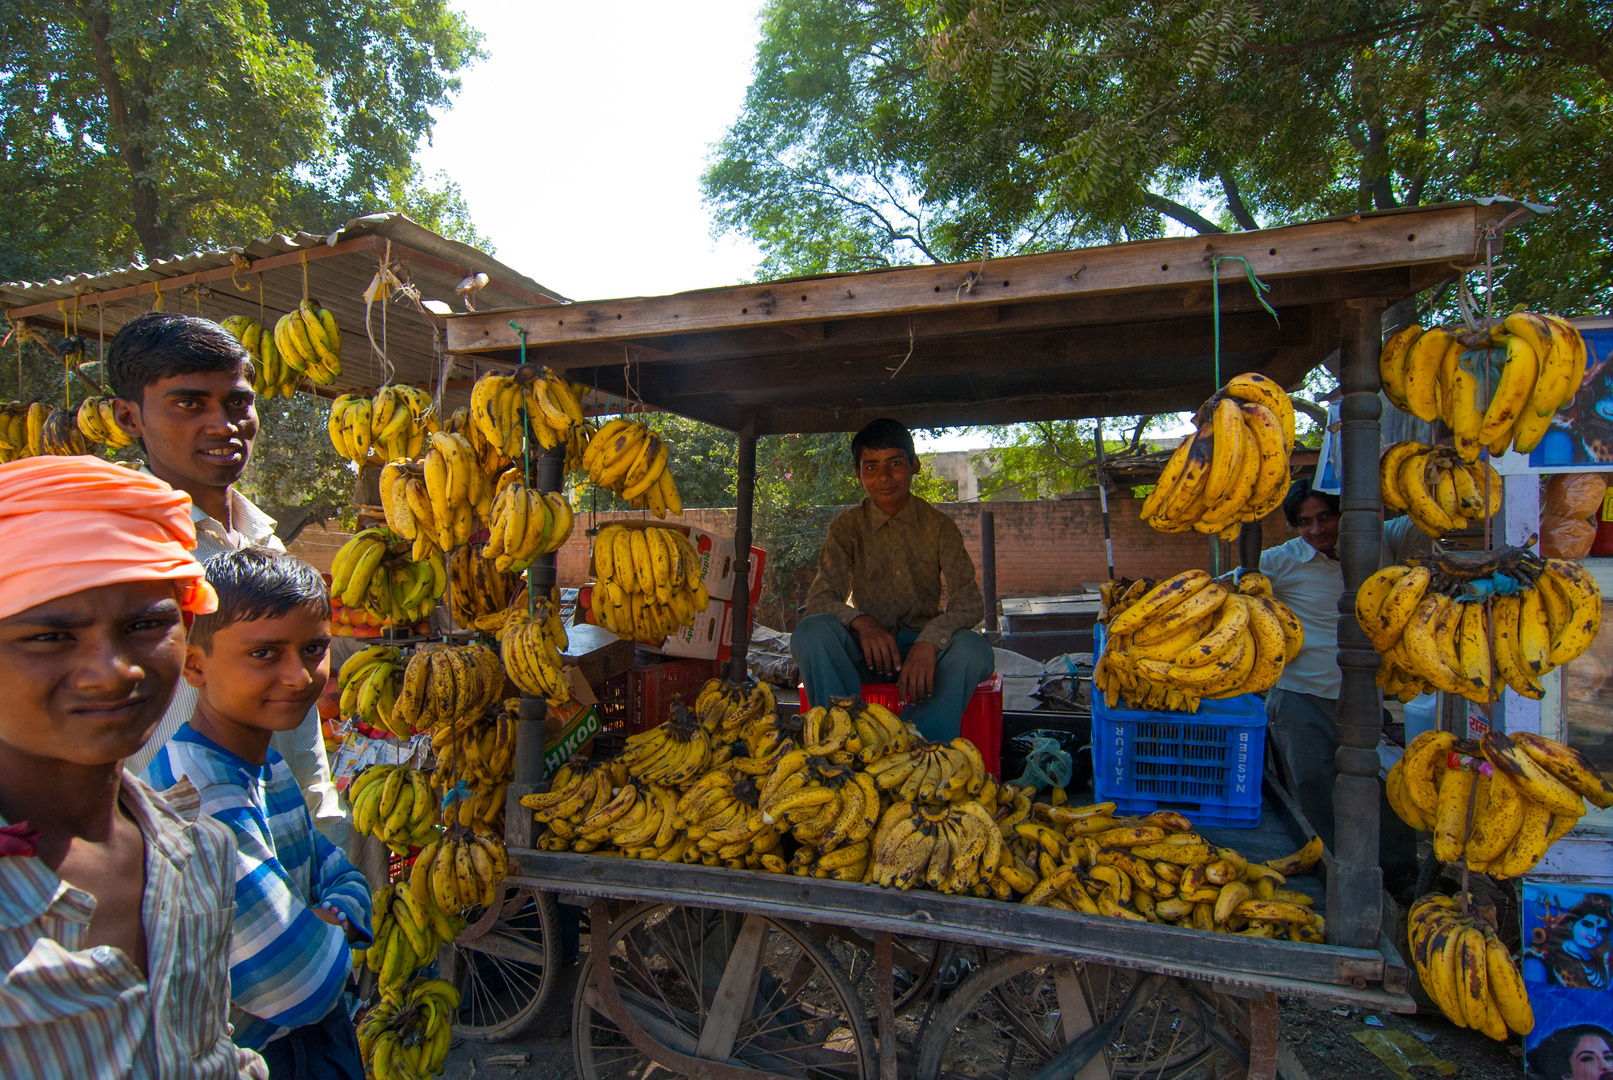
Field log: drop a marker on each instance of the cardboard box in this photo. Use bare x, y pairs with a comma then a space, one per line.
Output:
711, 636
717, 560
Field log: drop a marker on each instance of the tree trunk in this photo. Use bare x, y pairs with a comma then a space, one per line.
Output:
127, 117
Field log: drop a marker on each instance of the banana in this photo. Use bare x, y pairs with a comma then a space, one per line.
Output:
1392, 364
1422, 373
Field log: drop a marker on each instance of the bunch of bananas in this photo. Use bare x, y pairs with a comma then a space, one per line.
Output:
406, 935
373, 571
728, 710
60, 434
22, 430
476, 762
368, 685
531, 649
391, 426
408, 508
480, 589
1234, 468
271, 376
950, 849
1436, 487
524, 524
461, 871
1500, 820
628, 458
577, 445
1494, 387
672, 753
97, 424
1469, 626
649, 582
445, 684
638, 820
1466, 970
406, 1035
821, 800
932, 772
1190, 637
394, 805
309, 343
458, 491
502, 405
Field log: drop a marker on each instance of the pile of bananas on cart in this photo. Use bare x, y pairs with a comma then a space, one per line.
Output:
1466, 969
1472, 625
850, 792
1233, 468
375, 571
1494, 804
1189, 637
1436, 487
1495, 387
648, 582
393, 424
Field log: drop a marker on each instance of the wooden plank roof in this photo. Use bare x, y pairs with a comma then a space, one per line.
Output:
1120, 329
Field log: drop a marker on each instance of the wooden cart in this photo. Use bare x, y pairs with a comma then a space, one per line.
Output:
730, 974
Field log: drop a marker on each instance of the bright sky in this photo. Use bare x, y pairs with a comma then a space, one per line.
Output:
579, 144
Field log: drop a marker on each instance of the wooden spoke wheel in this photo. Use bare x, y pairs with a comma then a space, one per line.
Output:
1020, 1011
504, 965
915, 964
672, 991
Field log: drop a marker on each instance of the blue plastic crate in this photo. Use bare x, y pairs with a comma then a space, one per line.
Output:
1208, 764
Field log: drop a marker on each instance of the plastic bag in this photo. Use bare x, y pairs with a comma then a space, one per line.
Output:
1047, 765
1573, 495
1565, 537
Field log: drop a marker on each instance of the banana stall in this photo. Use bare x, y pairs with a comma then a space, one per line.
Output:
767, 894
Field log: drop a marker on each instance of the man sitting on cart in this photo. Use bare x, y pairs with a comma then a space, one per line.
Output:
874, 611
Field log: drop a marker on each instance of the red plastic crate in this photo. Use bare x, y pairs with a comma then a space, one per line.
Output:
982, 717
654, 686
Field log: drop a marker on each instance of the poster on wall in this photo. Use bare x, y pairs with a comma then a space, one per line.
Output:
1581, 436
1568, 971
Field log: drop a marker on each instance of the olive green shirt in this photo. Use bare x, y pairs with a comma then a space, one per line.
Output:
892, 568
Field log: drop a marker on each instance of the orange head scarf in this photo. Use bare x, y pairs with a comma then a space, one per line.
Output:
73, 523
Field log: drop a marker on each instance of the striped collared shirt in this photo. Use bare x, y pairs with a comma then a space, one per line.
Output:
287, 968
71, 1011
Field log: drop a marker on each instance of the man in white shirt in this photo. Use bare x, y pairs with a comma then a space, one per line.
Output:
184, 389
1305, 575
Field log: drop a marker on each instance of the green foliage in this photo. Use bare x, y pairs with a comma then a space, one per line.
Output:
878, 131
295, 473
1047, 459
144, 129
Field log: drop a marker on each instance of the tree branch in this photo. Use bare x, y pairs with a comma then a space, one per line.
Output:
1186, 215
1310, 409
1353, 37
1240, 212
1578, 44
1137, 434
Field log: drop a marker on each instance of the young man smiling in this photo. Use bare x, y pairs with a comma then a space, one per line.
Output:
875, 607
184, 389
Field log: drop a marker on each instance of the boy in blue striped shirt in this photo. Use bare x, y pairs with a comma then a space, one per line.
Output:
258, 663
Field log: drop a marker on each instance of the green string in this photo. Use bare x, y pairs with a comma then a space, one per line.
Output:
1260, 289
526, 457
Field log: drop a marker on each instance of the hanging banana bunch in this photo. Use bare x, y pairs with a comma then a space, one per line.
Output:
1494, 388
458, 490
309, 343
97, 423
369, 682
22, 430
391, 426
60, 434
648, 584
530, 646
487, 457
1474, 626
1436, 487
1466, 969
525, 524
1234, 468
628, 458
271, 376
480, 590
373, 571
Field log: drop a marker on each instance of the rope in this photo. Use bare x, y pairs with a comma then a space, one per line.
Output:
305, 273
1260, 289
526, 460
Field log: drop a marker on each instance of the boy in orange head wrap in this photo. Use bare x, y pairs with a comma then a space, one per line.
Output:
116, 903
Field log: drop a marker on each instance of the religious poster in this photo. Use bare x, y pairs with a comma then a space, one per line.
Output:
1568, 970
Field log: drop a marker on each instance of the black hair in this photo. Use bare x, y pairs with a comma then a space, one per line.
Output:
257, 583
1298, 493
161, 344
1551, 1059
882, 434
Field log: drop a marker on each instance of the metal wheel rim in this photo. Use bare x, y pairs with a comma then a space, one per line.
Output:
649, 939
501, 995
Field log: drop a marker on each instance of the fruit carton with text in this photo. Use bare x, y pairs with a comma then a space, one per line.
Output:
709, 638
717, 560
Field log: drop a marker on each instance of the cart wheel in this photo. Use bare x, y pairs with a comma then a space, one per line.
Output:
699, 989
917, 963
504, 966
1012, 1016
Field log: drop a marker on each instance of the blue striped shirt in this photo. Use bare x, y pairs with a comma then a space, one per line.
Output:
287, 967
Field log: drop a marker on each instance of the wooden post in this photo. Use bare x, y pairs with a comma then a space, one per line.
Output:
1354, 891
744, 503
988, 567
1249, 545
519, 828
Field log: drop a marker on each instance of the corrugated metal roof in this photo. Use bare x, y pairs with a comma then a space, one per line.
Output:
339, 268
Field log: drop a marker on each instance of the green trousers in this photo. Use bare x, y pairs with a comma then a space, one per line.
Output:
830, 657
